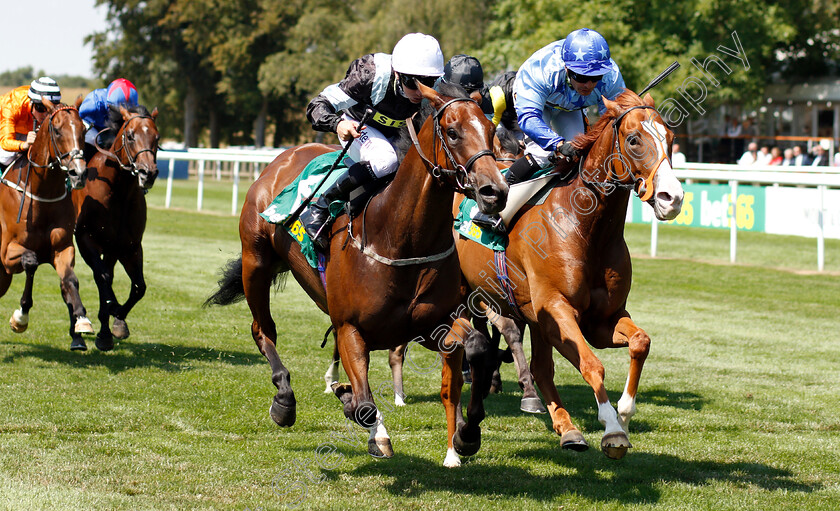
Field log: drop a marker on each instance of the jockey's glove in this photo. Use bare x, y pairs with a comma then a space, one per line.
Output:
567, 151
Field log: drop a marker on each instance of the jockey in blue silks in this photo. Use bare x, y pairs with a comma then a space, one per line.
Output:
551, 90
94, 111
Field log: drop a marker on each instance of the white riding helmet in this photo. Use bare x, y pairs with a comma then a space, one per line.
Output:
419, 55
44, 87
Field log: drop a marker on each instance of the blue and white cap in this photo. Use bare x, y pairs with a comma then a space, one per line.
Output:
586, 52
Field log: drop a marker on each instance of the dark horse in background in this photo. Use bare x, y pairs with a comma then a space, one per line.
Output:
111, 213
37, 218
394, 278
570, 268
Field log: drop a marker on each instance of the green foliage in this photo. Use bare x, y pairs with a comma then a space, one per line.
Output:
236, 59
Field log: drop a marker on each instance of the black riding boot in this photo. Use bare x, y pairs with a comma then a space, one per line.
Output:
520, 171
316, 218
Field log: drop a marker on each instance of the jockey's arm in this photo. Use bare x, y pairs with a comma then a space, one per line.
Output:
8, 139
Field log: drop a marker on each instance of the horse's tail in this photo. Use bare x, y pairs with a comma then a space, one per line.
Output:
230, 289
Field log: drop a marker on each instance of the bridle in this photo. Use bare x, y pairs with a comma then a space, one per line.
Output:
643, 186
132, 159
57, 163
460, 173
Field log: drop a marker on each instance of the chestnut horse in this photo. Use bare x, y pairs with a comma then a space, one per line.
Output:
569, 266
37, 215
111, 214
392, 275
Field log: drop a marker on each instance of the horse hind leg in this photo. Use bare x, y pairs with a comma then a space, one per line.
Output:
530, 402
396, 357
332, 374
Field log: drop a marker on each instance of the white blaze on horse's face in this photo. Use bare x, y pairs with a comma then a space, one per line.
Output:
668, 193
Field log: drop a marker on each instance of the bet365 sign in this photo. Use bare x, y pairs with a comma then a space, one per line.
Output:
711, 205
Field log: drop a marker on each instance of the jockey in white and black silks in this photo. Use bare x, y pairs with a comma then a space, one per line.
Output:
387, 84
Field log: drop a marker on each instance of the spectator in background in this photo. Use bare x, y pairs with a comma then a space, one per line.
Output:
677, 158
750, 156
800, 158
821, 157
775, 156
837, 159
788, 159
764, 156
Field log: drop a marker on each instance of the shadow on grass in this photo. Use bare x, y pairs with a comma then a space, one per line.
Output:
129, 355
636, 479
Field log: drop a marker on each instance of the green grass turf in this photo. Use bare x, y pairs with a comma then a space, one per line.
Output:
736, 409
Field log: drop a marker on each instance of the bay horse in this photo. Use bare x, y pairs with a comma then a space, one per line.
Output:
391, 273
569, 266
111, 213
36, 217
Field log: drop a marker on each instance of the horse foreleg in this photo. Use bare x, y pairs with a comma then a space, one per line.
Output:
358, 399
624, 332
20, 317
256, 282
396, 357
133, 266
563, 332
79, 323
542, 367
480, 353
103, 276
452, 381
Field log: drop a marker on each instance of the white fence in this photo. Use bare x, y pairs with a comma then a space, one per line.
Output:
819, 178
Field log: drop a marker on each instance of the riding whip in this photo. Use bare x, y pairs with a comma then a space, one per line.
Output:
289, 221
664, 74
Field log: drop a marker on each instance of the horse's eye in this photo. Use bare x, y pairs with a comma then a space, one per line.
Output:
633, 140
452, 134
130, 136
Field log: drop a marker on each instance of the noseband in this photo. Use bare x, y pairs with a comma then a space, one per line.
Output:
638, 182
460, 172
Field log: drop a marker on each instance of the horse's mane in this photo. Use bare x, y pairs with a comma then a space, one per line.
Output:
507, 140
115, 119
625, 100
451, 90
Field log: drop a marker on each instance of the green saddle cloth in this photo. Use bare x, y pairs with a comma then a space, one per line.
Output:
489, 238
293, 195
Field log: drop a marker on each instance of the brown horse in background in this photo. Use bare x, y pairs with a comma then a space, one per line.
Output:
391, 273
111, 214
37, 215
569, 266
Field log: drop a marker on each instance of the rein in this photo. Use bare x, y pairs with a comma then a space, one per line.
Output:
132, 163
459, 174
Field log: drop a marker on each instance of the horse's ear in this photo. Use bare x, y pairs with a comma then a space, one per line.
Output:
648, 99
49, 104
611, 105
124, 112
431, 94
476, 96
154, 113
78, 101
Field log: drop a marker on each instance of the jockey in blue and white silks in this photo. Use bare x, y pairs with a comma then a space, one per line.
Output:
551, 89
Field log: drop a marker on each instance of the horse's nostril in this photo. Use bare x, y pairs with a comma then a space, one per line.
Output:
490, 193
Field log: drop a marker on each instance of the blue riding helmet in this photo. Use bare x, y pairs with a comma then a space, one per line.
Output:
586, 52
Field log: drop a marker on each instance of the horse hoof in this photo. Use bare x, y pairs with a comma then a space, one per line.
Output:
19, 322
573, 440
532, 405
495, 390
466, 448
380, 448
467, 376
284, 416
104, 343
120, 329
615, 445
78, 344
83, 326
